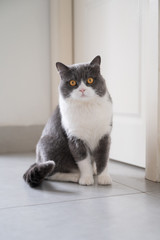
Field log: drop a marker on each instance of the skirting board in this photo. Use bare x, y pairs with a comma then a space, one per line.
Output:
19, 138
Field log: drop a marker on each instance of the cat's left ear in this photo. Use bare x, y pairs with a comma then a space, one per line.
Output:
61, 67
96, 61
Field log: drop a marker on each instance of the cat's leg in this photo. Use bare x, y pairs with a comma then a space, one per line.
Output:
83, 160
101, 155
44, 149
57, 149
86, 170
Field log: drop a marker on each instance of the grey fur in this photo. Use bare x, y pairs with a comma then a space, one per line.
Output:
37, 172
54, 144
96, 61
78, 149
101, 153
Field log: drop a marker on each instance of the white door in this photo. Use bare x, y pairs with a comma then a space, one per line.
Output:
116, 30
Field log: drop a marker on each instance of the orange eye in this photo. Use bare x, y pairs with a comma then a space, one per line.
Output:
90, 80
72, 83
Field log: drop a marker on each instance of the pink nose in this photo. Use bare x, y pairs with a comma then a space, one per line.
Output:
82, 90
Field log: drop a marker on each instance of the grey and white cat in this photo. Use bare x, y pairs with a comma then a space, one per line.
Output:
75, 142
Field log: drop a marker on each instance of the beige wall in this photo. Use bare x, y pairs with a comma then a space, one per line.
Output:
25, 97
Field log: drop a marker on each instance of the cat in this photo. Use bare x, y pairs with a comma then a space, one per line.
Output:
75, 143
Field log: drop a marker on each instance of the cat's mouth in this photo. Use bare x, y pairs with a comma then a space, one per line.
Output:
83, 95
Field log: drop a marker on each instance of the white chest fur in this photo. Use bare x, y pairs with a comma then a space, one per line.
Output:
88, 121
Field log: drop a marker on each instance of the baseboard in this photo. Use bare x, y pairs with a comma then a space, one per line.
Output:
19, 138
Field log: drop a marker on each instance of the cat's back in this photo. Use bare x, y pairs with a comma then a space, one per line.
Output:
53, 125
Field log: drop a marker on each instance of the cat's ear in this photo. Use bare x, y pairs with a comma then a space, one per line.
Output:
96, 61
61, 67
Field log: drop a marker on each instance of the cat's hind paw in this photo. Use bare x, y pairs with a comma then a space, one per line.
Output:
104, 179
86, 180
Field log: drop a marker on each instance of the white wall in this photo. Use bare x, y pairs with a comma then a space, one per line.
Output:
24, 62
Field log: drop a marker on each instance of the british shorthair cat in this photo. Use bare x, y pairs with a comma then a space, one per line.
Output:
75, 143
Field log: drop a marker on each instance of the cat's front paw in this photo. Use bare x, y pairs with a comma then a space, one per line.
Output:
86, 180
104, 179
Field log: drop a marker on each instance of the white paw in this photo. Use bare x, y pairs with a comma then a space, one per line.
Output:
104, 179
86, 180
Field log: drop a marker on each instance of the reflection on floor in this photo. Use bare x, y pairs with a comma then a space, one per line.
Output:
129, 209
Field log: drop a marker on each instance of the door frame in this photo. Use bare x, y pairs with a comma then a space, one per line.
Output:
153, 93
61, 41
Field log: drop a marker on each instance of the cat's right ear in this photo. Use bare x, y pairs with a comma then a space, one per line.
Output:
96, 61
61, 67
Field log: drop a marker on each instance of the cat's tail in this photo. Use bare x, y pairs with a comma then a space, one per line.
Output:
37, 172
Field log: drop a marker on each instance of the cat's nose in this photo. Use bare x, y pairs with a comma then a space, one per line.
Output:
82, 90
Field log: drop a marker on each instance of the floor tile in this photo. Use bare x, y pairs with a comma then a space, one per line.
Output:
154, 194
15, 192
130, 217
132, 176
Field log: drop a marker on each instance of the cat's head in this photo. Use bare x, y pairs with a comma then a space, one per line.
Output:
82, 82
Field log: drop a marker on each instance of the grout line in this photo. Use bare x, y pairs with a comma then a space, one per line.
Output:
68, 201
130, 187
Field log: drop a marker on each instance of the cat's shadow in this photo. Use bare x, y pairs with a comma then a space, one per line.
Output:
48, 186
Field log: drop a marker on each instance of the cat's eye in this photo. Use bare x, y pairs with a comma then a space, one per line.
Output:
73, 83
90, 80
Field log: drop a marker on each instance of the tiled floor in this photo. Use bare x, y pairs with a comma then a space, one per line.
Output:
129, 209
